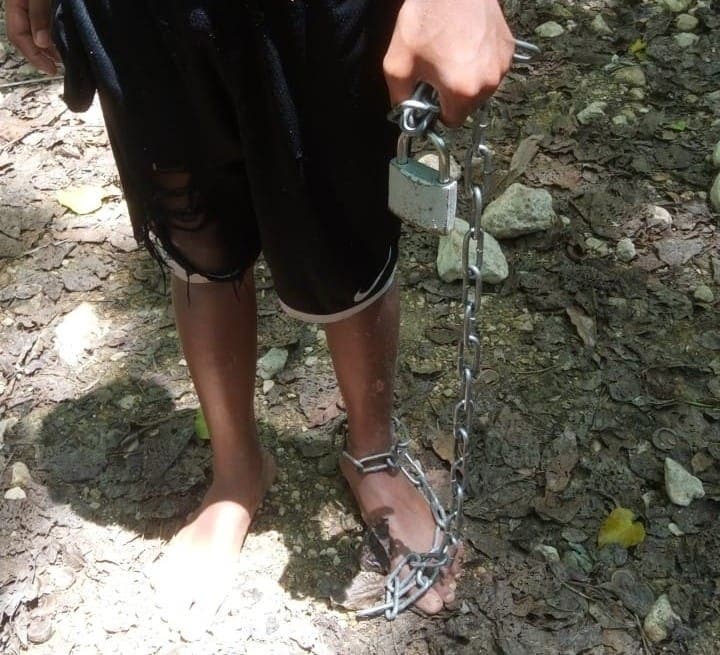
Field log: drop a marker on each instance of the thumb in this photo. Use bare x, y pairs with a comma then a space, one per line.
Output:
39, 12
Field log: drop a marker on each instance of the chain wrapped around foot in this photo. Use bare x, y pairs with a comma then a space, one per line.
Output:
415, 573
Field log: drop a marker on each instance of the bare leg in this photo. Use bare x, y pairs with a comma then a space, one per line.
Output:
364, 350
217, 327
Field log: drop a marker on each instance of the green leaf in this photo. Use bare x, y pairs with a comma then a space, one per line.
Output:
201, 428
619, 528
678, 126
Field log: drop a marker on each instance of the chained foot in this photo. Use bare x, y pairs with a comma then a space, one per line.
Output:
197, 568
389, 497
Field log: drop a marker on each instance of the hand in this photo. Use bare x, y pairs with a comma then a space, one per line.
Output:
28, 29
462, 48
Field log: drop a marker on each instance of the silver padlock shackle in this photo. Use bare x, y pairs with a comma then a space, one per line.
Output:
403, 153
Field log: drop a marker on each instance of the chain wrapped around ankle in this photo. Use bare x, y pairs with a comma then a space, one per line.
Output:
415, 573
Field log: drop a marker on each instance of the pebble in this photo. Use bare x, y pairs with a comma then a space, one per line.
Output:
593, 112
630, 75
40, 630
15, 493
599, 26
675, 529
686, 22
272, 362
268, 386
703, 293
549, 30
20, 476
661, 619
625, 250
676, 6
659, 217
549, 553
519, 210
715, 194
686, 39
449, 257
64, 578
311, 361
597, 245
681, 486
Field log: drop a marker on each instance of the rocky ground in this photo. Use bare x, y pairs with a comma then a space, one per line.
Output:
599, 386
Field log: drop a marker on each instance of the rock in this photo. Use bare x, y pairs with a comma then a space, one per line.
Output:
703, 293
686, 39
675, 6
686, 22
592, 112
715, 194
630, 75
40, 630
661, 619
20, 476
599, 26
549, 30
77, 333
620, 120
716, 155
449, 259
15, 493
681, 487
598, 246
268, 386
433, 161
549, 553
625, 250
659, 217
272, 362
520, 210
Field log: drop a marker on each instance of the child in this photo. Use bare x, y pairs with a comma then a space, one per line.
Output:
260, 125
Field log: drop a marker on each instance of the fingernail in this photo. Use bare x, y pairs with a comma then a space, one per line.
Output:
42, 39
452, 586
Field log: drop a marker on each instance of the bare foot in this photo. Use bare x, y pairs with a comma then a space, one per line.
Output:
389, 496
197, 569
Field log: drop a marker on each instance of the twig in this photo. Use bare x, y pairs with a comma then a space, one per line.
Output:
646, 645
32, 80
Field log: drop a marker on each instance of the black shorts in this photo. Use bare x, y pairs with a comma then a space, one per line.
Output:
248, 126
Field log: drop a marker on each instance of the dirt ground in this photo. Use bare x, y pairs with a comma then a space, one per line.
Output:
594, 371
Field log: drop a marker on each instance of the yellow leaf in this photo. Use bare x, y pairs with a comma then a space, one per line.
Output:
82, 199
638, 45
618, 528
201, 428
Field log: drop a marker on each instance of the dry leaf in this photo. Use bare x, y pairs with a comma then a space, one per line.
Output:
619, 528
584, 325
82, 199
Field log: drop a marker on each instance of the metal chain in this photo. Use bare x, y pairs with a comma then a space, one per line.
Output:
415, 573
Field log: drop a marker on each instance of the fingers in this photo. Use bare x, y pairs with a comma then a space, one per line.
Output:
400, 77
21, 32
39, 13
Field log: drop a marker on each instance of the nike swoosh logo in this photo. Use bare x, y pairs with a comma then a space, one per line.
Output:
361, 295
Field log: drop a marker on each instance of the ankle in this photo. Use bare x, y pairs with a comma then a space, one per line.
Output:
369, 438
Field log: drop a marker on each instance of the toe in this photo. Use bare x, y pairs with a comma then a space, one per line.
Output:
430, 602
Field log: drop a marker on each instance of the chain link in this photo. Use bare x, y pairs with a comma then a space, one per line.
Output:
415, 573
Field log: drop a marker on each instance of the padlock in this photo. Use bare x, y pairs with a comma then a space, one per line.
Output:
419, 195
